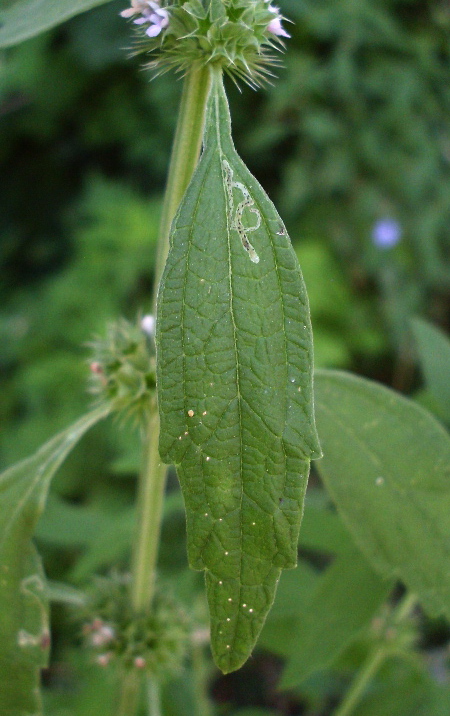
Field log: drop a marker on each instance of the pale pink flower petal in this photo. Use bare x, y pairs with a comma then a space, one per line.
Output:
153, 30
276, 28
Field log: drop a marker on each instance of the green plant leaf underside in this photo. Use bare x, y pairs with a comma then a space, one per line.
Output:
386, 465
21, 19
235, 387
24, 634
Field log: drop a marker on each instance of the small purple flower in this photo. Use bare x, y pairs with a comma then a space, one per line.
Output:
156, 17
386, 233
275, 26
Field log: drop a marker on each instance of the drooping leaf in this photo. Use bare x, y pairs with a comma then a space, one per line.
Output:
24, 636
21, 19
235, 387
346, 597
386, 465
434, 356
24, 632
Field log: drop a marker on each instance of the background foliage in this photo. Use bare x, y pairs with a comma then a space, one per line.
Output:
355, 131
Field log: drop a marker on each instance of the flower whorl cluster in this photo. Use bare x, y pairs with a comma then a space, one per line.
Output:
238, 35
123, 368
156, 642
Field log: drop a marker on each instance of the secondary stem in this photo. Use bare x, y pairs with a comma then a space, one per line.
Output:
374, 660
361, 681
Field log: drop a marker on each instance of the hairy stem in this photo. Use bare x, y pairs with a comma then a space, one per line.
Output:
150, 502
130, 687
153, 698
185, 153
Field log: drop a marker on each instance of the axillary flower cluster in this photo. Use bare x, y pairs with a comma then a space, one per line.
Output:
238, 35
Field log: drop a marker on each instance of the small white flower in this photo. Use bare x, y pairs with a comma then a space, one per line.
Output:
148, 325
275, 26
102, 636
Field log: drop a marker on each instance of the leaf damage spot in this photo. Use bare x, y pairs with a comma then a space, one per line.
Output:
236, 220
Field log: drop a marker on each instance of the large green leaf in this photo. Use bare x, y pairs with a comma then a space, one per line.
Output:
235, 387
344, 601
21, 19
434, 355
24, 635
386, 465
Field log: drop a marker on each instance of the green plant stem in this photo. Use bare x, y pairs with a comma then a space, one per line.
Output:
153, 698
185, 153
374, 660
150, 504
130, 687
200, 676
361, 681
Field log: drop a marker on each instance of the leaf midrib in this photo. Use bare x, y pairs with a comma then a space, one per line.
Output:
238, 385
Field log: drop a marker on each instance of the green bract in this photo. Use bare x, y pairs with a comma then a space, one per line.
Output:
234, 370
233, 35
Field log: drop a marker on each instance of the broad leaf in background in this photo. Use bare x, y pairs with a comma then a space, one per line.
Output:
386, 465
24, 635
235, 387
346, 597
293, 594
434, 355
407, 688
322, 536
21, 19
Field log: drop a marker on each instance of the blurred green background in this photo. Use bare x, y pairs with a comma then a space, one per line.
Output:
352, 142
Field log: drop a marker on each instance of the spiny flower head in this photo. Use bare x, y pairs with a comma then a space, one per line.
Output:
155, 642
123, 368
237, 35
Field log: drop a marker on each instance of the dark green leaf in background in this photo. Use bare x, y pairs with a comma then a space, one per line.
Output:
386, 465
235, 387
24, 634
345, 599
21, 19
